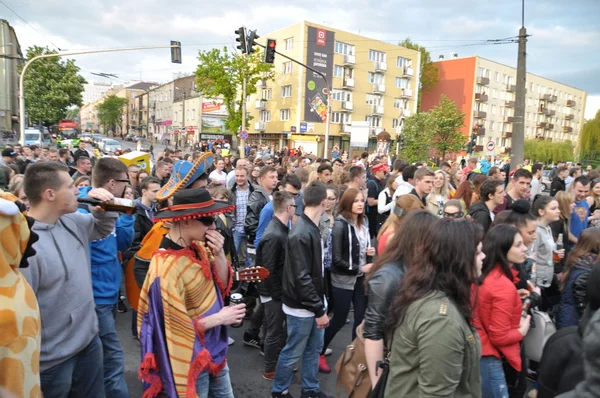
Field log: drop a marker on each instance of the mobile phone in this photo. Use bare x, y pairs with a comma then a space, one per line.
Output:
317, 103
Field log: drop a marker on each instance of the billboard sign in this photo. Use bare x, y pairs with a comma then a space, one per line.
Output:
319, 55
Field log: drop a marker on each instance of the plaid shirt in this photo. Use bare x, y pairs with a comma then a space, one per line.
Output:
241, 208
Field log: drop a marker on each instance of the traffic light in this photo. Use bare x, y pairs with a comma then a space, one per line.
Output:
401, 142
471, 144
270, 51
175, 52
252, 36
241, 39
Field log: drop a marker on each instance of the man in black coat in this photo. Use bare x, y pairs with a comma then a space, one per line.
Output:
558, 182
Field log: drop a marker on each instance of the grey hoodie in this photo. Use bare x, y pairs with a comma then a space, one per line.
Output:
60, 275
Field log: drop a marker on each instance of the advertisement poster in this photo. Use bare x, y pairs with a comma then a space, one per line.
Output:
214, 107
359, 134
319, 51
213, 124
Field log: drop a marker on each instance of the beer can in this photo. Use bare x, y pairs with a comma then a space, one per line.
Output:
235, 299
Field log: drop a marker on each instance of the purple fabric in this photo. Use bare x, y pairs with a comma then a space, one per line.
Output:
215, 339
153, 340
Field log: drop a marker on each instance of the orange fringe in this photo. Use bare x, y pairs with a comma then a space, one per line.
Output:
202, 362
147, 365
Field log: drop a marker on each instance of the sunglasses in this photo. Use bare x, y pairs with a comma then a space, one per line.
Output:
206, 221
458, 214
127, 181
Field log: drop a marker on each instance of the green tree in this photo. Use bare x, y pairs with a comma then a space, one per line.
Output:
589, 139
221, 73
51, 86
110, 112
429, 74
548, 152
447, 120
73, 113
417, 135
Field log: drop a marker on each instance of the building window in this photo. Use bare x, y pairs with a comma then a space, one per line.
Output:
394, 123
401, 82
480, 72
376, 56
402, 62
398, 103
286, 91
338, 71
375, 77
497, 77
374, 99
284, 115
339, 117
343, 48
289, 43
339, 95
266, 94
374, 121
494, 93
265, 116
287, 67
532, 88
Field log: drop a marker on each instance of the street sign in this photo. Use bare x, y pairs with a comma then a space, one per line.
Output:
293, 129
303, 127
490, 146
244, 135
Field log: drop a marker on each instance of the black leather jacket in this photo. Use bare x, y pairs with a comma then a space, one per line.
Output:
303, 281
340, 242
256, 201
383, 286
271, 255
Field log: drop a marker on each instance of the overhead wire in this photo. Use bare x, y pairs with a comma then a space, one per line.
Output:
28, 24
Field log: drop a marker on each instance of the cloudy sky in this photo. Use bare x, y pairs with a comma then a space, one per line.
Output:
564, 43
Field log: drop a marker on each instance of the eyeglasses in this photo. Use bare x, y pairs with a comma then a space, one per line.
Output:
458, 214
127, 181
294, 194
206, 221
294, 206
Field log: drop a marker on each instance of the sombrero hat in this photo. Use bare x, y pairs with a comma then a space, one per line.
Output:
192, 203
184, 174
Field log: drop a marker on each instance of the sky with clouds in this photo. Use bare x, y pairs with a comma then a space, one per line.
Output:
564, 43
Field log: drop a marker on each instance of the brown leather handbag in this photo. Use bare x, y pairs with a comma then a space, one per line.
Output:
351, 368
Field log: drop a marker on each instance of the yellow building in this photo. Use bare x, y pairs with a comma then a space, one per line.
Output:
371, 81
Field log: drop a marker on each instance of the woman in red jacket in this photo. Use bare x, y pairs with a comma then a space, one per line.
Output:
498, 309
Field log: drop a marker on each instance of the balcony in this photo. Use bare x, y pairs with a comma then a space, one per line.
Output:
550, 126
567, 129
377, 110
483, 80
479, 130
347, 106
481, 97
511, 88
261, 84
349, 60
548, 97
260, 105
570, 103
507, 149
509, 104
509, 119
348, 83
542, 124
260, 126
507, 134
548, 112
379, 88
478, 148
569, 117
479, 114
380, 67
408, 72
405, 112
406, 93
345, 128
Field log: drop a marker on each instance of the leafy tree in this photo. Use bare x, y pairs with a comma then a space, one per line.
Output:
51, 85
417, 135
221, 74
447, 120
73, 113
548, 152
429, 72
110, 112
589, 139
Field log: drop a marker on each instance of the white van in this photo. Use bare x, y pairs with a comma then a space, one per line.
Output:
33, 136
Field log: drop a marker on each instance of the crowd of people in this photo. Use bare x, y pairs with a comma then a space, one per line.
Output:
442, 271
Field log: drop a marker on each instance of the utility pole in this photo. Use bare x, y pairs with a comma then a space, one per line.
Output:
242, 148
518, 138
183, 122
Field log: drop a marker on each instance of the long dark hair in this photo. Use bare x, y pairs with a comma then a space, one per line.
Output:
345, 205
588, 244
405, 245
447, 264
498, 241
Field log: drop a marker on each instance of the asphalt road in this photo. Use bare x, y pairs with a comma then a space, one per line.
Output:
245, 363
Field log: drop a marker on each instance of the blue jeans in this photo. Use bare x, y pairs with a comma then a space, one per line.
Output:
238, 239
78, 376
304, 341
211, 386
114, 361
493, 381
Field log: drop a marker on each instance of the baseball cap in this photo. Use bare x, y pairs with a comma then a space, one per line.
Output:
9, 152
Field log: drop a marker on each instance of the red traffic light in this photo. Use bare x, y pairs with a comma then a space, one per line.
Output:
272, 44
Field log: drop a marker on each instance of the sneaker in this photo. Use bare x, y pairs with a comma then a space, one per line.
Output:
314, 394
230, 341
269, 375
252, 341
284, 394
328, 352
121, 307
323, 366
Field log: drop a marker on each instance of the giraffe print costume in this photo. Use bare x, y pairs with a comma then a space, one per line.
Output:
20, 326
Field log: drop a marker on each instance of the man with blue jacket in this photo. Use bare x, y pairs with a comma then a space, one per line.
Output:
111, 175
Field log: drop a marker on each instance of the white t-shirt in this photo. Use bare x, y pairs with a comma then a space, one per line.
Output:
220, 177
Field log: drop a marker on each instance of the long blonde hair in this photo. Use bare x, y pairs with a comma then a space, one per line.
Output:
406, 203
565, 200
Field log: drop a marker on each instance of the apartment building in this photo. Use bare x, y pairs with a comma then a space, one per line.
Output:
371, 81
485, 91
94, 91
11, 58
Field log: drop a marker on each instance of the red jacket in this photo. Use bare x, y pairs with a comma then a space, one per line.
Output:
497, 315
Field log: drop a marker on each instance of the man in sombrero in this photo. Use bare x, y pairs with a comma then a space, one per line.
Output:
181, 314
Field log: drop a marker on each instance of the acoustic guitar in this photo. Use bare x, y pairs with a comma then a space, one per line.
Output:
251, 274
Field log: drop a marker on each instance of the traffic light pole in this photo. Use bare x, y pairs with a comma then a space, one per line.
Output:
243, 141
325, 148
62, 54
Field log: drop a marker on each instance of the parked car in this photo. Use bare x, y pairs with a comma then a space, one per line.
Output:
86, 137
545, 180
96, 139
109, 145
